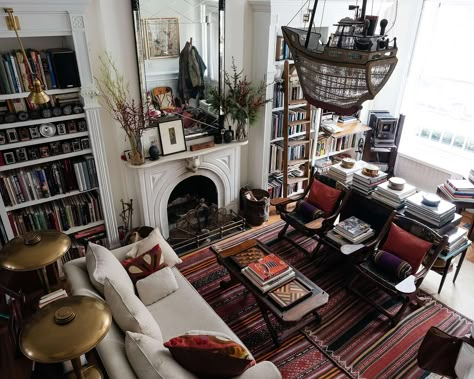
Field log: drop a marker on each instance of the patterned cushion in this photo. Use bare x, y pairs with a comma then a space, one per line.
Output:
145, 264
406, 246
323, 196
307, 211
212, 355
391, 264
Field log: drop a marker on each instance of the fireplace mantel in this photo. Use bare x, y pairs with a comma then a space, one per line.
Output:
155, 180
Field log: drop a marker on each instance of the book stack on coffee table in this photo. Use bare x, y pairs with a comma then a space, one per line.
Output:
351, 230
268, 273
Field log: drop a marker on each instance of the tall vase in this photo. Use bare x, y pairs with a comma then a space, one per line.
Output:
138, 154
241, 132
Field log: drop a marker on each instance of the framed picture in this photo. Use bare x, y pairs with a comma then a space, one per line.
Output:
55, 148
44, 151
12, 135
21, 154
76, 145
162, 37
172, 137
66, 147
24, 134
3, 138
149, 136
71, 126
61, 128
34, 132
82, 126
85, 144
9, 157
33, 153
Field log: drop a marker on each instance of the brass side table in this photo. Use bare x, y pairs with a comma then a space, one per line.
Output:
35, 251
64, 330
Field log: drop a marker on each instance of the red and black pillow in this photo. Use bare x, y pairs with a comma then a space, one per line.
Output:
145, 264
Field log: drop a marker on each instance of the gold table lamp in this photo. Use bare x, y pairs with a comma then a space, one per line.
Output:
35, 251
64, 330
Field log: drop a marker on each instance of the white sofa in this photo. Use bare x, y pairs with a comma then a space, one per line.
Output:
177, 313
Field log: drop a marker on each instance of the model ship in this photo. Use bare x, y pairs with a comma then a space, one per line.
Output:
352, 67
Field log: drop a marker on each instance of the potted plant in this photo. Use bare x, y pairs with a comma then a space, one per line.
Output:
240, 101
131, 115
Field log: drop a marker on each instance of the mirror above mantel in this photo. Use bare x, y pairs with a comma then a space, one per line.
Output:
180, 55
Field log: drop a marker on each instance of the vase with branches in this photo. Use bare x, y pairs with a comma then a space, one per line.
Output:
132, 115
240, 101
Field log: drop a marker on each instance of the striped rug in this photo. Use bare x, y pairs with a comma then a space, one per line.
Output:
352, 341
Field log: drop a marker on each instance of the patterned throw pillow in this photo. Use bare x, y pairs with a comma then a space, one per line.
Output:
145, 264
211, 355
391, 264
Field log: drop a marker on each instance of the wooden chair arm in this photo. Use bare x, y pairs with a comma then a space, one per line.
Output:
315, 225
281, 201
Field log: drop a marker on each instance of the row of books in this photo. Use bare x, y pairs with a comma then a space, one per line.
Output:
281, 49
458, 190
268, 273
297, 152
275, 185
330, 144
278, 94
276, 158
293, 115
61, 177
14, 71
61, 214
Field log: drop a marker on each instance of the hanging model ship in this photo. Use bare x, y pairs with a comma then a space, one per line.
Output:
351, 68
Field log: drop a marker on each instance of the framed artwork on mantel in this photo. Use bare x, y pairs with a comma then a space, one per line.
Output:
161, 37
172, 137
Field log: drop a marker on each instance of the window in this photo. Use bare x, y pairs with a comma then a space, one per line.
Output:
439, 97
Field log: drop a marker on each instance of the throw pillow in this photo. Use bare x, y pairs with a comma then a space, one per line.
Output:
307, 211
391, 264
157, 286
323, 197
129, 312
102, 264
150, 360
406, 246
145, 264
153, 239
210, 355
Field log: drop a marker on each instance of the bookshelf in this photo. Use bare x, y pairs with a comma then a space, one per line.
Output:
58, 181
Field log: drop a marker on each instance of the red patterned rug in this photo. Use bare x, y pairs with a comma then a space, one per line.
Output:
352, 341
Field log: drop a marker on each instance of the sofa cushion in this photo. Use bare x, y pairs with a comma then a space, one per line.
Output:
406, 246
156, 286
145, 264
102, 264
128, 311
150, 360
210, 354
153, 239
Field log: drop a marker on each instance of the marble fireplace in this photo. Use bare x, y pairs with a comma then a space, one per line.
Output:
154, 182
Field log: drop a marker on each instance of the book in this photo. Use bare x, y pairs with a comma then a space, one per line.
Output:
290, 293
407, 191
352, 227
267, 287
461, 185
244, 258
360, 238
268, 267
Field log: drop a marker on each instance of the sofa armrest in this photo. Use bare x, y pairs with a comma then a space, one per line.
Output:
262, 370
78, 278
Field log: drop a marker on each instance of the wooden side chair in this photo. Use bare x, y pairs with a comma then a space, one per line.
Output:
398, 262
314, 212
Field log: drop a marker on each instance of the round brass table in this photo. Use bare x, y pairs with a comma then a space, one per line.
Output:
64, 330
35, 251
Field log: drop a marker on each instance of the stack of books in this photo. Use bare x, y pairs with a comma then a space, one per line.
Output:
50, 297
456, 238
367, 184
458, 190
345, 175
471, 175
351, 230
268, 273
435, 216
393, 198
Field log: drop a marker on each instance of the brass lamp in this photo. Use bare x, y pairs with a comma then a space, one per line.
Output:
37, 95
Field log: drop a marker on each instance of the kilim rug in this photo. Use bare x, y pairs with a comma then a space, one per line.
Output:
352, 341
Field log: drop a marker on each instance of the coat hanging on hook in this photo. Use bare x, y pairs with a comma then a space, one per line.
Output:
351, 68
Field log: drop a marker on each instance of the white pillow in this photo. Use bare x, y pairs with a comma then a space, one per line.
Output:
151, 360
102, 264
153, 239
156, 286
129, 312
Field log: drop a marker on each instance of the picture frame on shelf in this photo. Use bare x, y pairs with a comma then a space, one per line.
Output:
76, 145
149, 136
33, 153
66, 147
21, 154
82, 126
9, 157
12, 135
34, 132
24, 134
71, 126
172, 139
44, 151
61, 128
3, 138
55, 148
162, 37
85, 143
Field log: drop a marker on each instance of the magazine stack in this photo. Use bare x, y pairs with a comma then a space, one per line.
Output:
456, 238
430, 209
366, 184
345, 175
458, 190
351, 230
392, 197
268, 273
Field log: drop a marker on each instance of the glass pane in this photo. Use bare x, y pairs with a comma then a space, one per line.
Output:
470, 145
425, 133
447, 138
436, 135
458, 141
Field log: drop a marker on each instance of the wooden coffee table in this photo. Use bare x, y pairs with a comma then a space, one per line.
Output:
294, 317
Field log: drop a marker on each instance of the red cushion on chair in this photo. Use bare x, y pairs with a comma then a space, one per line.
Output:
406, 246
323, 197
